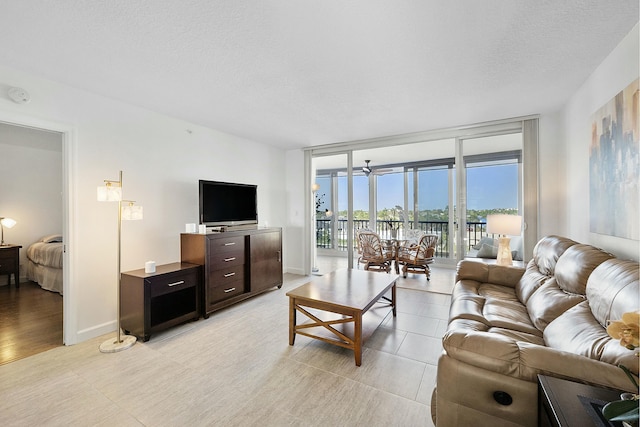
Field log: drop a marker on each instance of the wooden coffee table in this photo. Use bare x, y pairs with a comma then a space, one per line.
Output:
342, 298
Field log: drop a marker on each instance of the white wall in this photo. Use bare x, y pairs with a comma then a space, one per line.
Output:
31, 189
615, 73
162, 159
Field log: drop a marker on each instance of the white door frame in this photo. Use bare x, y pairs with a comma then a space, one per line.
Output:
68, 133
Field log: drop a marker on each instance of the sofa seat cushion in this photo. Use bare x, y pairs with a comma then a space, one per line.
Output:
495, 306
578, 332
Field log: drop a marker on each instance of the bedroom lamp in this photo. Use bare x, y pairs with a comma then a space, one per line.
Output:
112, 192
5, 222
505, 225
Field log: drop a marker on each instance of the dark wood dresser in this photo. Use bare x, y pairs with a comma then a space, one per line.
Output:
237, 264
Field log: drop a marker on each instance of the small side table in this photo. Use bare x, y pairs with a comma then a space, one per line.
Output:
151, 302
10, 263
563, 403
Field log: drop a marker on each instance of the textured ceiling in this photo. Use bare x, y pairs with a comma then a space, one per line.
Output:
306, 72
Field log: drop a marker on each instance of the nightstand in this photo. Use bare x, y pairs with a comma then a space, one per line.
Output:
151, 302
10, 263
563, 403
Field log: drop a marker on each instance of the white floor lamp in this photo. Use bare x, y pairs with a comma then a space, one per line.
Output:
112, 192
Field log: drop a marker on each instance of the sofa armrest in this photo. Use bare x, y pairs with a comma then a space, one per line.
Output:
522, 360
485, 350
548, 361
489, 273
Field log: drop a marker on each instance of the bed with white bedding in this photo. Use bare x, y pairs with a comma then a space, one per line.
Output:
44, 263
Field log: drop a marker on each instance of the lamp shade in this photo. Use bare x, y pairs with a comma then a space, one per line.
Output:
109, 193
8, 222
509, 225
131, 212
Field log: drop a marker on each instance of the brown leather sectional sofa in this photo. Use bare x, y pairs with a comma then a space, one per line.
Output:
508, 324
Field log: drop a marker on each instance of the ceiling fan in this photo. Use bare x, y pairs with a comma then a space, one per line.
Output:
366, 169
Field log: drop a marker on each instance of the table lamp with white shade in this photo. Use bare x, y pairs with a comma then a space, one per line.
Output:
8, 223
504, 225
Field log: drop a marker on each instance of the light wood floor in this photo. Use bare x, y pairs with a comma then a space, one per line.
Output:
30, 321
236, 369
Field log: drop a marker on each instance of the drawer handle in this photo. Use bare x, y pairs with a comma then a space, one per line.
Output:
230, 243
230, 259
229, 290
229, 274
176, 283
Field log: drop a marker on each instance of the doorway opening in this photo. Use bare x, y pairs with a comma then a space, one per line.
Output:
34, 194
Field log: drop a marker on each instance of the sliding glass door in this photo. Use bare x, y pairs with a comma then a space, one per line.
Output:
492, 185
446, 186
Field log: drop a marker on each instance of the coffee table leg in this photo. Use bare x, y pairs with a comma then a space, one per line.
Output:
357, 332
393, 299
292, 320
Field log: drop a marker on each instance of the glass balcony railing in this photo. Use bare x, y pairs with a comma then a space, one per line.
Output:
326, 240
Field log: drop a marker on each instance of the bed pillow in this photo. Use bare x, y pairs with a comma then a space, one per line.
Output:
52, 238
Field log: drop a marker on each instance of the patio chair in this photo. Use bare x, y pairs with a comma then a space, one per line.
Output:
416, 259
374, 255
412, 237
359, 246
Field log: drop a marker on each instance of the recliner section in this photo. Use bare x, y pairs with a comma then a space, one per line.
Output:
509, 324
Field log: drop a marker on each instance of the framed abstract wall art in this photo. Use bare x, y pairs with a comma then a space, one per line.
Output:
614, 166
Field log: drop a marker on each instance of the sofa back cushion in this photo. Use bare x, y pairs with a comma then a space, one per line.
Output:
575, 265
549, 302
613, 290
542, 265
566, 288
548, 250
577, 331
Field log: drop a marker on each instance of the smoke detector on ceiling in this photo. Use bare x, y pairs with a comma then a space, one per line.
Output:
19, 95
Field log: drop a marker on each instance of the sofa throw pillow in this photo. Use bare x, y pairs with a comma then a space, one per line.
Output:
487, 251
483, 241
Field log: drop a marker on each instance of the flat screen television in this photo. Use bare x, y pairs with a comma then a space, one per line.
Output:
228, 204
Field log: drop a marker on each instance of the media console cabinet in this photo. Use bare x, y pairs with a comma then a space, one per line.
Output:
236, 264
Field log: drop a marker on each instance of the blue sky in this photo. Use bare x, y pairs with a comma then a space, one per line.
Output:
487, 188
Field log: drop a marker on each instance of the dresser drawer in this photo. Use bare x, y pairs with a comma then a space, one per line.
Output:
228, 274
225, 260
220, 291
226, 244
7, 256
167, 283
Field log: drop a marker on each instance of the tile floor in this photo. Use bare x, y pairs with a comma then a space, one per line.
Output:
237, 369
